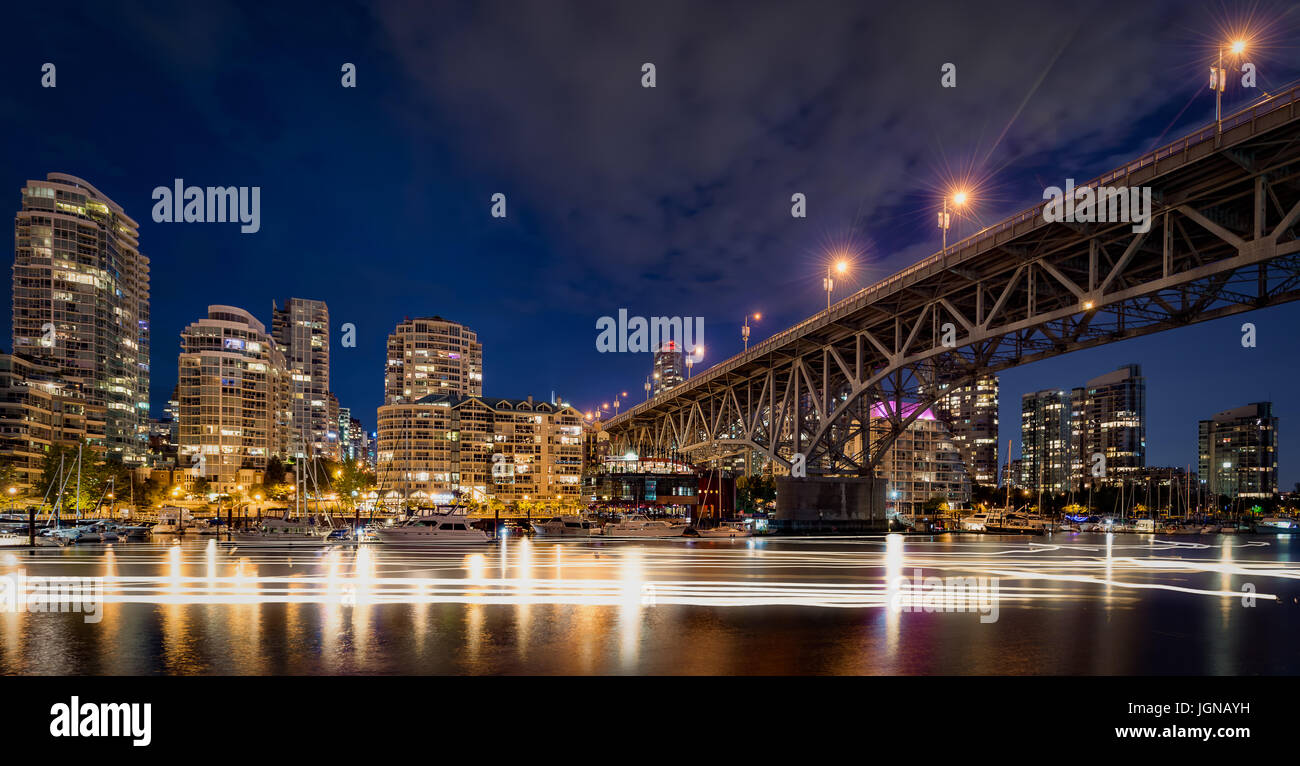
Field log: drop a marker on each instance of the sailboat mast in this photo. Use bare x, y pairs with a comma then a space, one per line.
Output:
78, 481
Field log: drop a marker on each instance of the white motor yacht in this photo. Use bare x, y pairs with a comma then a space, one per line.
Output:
726, 529
638, 525
438, 529
173, 521
975, 522
566, 526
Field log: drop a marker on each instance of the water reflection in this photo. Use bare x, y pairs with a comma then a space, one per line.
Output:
1067, 604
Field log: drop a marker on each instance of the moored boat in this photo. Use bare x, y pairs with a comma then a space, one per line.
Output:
1016, 524
725, 529
1276, 524
436, 529
566, 526
637, 525
282, 531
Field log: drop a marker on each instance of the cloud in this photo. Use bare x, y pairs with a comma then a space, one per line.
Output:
755, 101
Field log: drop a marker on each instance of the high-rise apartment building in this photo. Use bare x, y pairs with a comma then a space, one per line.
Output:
670, 367
234, 397
971, 414
1238, 452
432, 356
39, 410
1109, 418
302, 331
1046, 440
513, 450
81, 302
924, 462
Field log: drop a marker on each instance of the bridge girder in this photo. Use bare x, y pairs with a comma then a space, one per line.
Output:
1222, 241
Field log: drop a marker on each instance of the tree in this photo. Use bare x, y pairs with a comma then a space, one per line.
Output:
754, 492
935, 503
275, 472
155, 491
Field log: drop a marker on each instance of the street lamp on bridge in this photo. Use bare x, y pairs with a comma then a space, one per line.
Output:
744, 329
1219, 81
840, 266
692, 358
958, 199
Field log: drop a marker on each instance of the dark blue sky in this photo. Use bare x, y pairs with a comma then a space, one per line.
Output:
669, 201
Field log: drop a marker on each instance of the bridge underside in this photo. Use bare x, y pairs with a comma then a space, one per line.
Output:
1222, 241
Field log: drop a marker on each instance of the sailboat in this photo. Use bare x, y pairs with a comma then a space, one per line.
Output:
284, 529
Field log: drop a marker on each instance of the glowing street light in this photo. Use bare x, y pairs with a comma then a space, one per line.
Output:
1219, 81
692, 358
958, 199
840, 266
744, 330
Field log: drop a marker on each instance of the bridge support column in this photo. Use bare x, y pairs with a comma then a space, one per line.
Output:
830, 505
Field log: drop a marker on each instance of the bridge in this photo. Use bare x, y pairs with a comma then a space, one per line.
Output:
1222, 241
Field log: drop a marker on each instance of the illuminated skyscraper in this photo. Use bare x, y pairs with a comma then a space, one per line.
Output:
1109, 418
81, 302
233, 394
432, 355
1238, 452
670, 367
302, 331
1046, 440
971, 415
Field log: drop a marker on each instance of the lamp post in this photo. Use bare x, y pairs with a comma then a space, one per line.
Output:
840, 267
1219, 81
692, 358
744, 329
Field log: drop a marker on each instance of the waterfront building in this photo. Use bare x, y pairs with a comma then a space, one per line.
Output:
235, 398
923, 463
39, 411
1108, 417
1046, 451
656, 485
302, 332
448, 446
81, 302
970, 413
1238, 452
432, 355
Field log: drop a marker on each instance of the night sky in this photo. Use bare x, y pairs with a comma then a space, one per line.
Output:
671, 201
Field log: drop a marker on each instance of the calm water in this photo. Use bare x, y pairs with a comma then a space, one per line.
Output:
1068, 604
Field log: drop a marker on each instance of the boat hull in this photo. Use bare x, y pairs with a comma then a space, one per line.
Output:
643, 533
395, 537
278, 540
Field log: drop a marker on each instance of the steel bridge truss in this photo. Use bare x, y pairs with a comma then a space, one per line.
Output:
1222, 241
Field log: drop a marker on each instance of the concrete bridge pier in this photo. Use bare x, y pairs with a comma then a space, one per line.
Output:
830, 505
